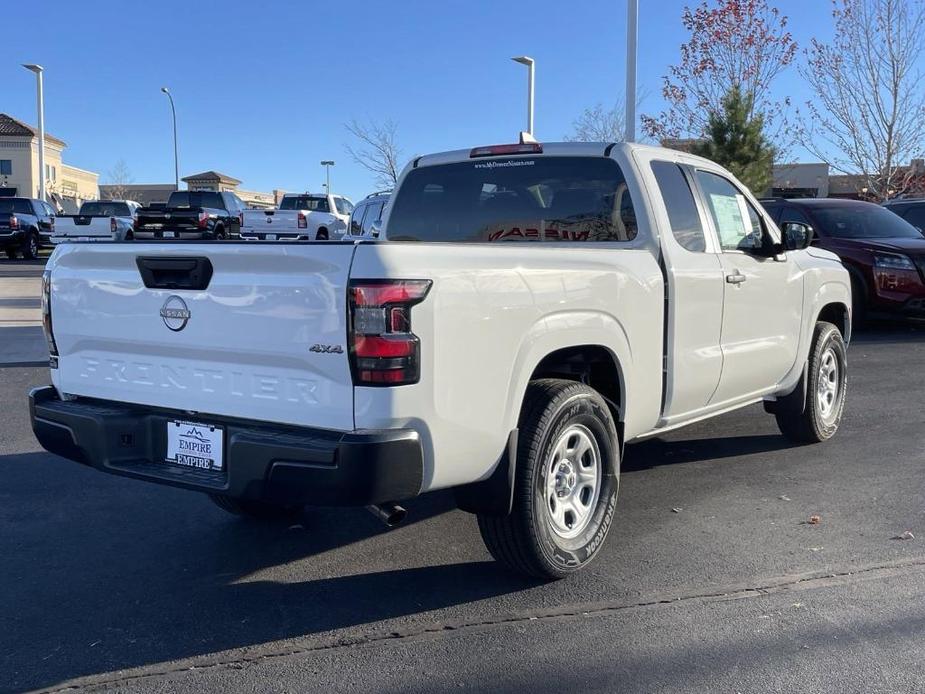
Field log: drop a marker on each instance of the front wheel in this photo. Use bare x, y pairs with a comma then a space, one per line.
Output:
566, 482
259, 510
812, 413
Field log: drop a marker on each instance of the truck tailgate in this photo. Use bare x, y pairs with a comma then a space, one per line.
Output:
265, 340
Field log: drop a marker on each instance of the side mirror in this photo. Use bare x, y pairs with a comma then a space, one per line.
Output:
375, 228
797, 235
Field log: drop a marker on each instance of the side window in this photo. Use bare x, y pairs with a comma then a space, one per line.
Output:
356, 221
48, 211
679, 203
373, 213
6, 167
737, 223
792, 214
915, 215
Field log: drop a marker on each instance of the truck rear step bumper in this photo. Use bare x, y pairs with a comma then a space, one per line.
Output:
275, 463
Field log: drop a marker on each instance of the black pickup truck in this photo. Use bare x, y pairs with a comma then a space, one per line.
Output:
26, 224
192, 214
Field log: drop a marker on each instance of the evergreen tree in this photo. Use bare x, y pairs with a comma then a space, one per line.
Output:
737, 142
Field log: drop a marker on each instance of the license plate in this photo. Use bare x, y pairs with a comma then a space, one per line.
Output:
195, 445
271, 237
169, 235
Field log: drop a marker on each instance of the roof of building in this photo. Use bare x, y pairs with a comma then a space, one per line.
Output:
11, 127
210, 176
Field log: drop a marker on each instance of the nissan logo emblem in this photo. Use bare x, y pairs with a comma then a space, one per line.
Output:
175, 313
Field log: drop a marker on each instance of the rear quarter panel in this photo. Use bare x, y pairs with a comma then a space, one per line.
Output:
493, 313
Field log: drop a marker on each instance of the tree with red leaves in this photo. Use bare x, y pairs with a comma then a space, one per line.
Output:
734, 45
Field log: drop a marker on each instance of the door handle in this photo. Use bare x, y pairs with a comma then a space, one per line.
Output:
736, 278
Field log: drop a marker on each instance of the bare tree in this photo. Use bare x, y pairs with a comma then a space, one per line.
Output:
600, 124
868, 114
376, 150
119, 179
734, 44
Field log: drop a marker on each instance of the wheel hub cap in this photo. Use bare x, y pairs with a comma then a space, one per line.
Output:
573, 481
827, 388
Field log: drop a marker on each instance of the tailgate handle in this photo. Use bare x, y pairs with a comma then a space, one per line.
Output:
175, 273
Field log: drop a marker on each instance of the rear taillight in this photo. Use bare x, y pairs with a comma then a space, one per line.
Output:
112, 224
383, 350
203, 220
14, 222
303, 221
46, 314
240, 219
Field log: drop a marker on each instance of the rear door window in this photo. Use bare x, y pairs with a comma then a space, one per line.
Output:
373, 214
915, 215
15, 206
679, 203
539, 199
356, 221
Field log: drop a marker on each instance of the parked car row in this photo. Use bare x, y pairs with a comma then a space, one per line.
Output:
882, 251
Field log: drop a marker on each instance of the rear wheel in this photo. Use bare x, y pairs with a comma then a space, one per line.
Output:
11, 253
322, 235
812, 413
260, 510
30, 249
565, 485
220, 233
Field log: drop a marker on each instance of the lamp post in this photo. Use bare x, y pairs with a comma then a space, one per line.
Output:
632, 31
327, 164
176, 156
531, 70
38, 70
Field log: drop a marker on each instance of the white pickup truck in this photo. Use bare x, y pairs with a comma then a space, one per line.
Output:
300, 217
98, 220
529, 310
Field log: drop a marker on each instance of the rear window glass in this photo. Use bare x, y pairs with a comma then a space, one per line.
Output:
15, 207
105, 209
863, 221
518, 199
305, 202
185, 198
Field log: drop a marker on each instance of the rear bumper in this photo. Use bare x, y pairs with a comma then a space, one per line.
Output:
8, 238
184, 234
280, 464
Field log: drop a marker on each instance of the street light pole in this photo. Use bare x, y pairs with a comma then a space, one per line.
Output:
531, 70
176, 156
40, 89
327, 164
632, 31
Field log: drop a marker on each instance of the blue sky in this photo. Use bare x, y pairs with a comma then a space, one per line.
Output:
263, 89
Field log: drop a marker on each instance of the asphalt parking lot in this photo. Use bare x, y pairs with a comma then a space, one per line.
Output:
712, 579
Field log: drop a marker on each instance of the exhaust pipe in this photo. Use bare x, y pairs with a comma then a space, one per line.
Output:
389, 513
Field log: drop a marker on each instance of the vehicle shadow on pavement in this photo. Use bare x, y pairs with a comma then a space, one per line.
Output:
117, 575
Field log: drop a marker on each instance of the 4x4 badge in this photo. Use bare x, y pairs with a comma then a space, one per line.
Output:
326, 349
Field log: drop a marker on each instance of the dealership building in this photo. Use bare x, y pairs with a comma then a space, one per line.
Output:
65, 185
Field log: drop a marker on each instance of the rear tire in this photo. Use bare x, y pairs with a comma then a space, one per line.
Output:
566, 482
11, 253
322, 235
813, 416
30, 248
220, 234
259, 510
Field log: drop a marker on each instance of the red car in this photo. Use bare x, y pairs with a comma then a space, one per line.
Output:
884, 254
